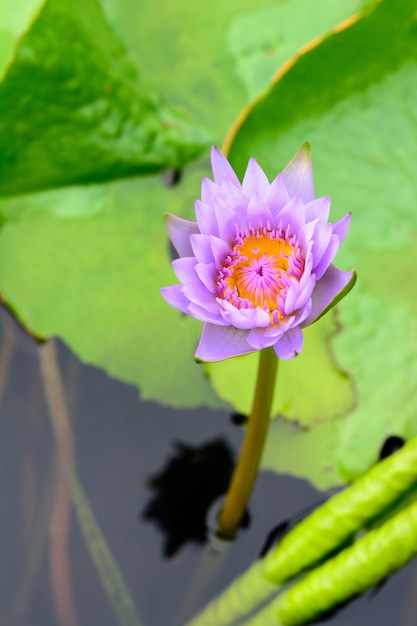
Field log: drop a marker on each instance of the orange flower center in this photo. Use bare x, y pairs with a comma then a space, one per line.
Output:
259, 269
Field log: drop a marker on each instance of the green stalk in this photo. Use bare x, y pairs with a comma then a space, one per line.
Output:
246, 470
343, 515
370, 560
240, 599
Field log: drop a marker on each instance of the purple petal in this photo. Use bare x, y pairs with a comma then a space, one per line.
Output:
304, 236
207, 273
327, 257
277, 196
221, 342
321, 239
232, 195
244, 319
255, 182
341, 227
184, 269
225, 220
308, 266
258, 213
201, 248
206, 218
293, 215
209, 249
175, 297
220, 250
305, 293
197, 293
302, 314
179, 231
298, 175
209, 191
222, 168
331, 288
318, 208
258, 340
277, 330
290, 344
201, 314
293, 293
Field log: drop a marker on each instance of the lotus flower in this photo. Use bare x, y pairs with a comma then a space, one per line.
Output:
256, 267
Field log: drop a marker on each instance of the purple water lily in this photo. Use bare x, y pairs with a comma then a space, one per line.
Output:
256, 267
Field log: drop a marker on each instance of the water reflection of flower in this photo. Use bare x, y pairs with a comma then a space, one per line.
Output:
256, 267
184, 491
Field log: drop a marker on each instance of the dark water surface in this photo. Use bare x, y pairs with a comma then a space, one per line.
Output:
118, 443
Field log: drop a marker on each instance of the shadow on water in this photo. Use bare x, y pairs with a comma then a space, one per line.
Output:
129, 525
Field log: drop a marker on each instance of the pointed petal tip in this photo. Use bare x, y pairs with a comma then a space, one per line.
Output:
221, 168
215, 151
303, 154
179, 231
298, 174
330, 290
352, 281
290, 344
304, 151
218, 342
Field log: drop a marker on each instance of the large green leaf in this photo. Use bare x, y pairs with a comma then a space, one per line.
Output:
94, 280
212, 58
74, 109
354, 98
263, 39
307, 454
14, 20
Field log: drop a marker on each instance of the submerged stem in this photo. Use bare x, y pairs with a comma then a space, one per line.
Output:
246, 470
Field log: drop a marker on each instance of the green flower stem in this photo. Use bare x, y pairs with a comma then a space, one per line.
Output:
339, 518
371, 559
241, 598
246, 470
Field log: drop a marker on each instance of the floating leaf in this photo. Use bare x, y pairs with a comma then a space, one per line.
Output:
263, 39
207, 75
299, 395
15, 20
307, 453
74, 109
353, 97
95, 281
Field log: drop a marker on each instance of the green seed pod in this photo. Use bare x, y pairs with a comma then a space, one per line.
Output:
337, 520
371, 559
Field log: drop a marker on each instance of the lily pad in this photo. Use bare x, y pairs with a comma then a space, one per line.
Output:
310, 388
307, 454
205, 56
354, 98
95, 280
263, 39
15, 20
74, 109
